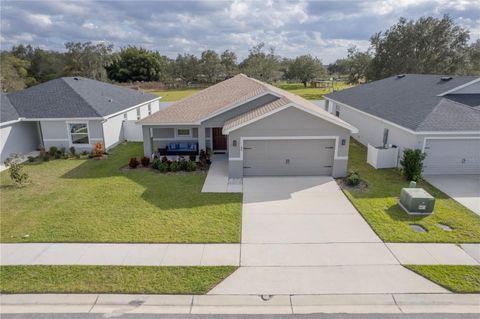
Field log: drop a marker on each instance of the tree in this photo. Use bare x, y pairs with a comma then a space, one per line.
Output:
186, 68
137, 64
46, 65
305, 68
87, 59
473, 61
211, 67
357, 65
261, 64
229, 61
428, 45
14, 73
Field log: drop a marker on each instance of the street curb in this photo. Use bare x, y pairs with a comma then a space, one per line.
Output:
240, 304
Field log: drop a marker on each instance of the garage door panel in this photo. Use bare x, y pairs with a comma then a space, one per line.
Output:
452, 156
288, 157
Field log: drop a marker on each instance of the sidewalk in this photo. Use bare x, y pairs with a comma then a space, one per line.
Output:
259, 255
240, 304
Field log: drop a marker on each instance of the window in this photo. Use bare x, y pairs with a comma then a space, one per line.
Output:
78, 133
183, 132
125, 116
337, 111
138, 113
149, 109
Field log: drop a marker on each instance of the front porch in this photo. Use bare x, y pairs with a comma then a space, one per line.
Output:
164, 140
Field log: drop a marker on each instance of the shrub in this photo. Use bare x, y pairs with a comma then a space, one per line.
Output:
62, 150
164, 159
46, 157
163, 167
133, 162
353, 178
412, 164
18, 176
53, 150
84, 153
145, 161
58, 154
31, 159
182, 164
156, 163
190, 166
73, 151
174, 167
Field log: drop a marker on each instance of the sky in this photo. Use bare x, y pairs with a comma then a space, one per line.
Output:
325, 29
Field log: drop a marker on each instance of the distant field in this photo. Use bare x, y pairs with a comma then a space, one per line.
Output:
297, 88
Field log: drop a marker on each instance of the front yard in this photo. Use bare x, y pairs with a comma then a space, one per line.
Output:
378, 204
94, 201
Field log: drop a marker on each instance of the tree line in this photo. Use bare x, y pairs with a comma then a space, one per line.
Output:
427, 45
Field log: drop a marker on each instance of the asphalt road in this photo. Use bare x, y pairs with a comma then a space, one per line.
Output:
315, 316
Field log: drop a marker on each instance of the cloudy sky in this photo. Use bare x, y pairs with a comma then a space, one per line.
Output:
321, 28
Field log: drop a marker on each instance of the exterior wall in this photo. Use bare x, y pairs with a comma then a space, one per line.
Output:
371, 129
55, 133
290, 123
113, 131
220, 119
20, 138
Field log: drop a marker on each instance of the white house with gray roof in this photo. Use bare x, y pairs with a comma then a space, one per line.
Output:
71, 111
438, 114
264, 130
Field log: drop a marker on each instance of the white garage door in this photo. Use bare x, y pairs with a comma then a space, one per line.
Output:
452, 156
288, 157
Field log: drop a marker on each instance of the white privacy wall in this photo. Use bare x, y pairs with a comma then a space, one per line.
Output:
19, 138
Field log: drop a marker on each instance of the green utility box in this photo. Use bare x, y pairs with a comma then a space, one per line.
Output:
416, 201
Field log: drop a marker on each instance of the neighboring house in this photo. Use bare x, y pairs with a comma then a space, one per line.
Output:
264, 130
438, 114
72, 111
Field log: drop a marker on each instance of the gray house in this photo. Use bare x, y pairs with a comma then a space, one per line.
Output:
438, 114
71, 111
264, 130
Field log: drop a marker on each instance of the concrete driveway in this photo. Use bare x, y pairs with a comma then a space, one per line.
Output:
465, 189
301, 235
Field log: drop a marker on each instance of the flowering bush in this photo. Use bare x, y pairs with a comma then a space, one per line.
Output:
133, 162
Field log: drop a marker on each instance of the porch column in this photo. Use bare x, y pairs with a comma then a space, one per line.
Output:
147, 141
201, 138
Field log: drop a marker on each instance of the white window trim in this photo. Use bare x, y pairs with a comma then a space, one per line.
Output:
70, 135
139, 114
177, 136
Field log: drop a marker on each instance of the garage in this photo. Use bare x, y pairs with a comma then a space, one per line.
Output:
452, 156
288, 157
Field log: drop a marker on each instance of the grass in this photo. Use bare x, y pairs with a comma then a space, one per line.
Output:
93, 201
297, 88
459, 279
111, 279
174, 94
378, 204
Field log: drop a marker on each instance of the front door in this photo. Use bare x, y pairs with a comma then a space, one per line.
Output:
219, 140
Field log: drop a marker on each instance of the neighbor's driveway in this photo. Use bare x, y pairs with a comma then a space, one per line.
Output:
301, 235
465, 189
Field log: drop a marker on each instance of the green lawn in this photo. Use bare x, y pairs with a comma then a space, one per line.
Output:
111, 279
297, 88
93, 201
460, 279
378, 204
174, 94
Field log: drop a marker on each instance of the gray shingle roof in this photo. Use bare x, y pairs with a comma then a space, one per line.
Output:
75, 97
8, 112
413, 102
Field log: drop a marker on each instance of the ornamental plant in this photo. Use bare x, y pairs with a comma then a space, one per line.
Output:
145, 161
133, 162
412, 164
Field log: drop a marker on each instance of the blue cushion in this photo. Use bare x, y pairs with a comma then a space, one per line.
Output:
172, 146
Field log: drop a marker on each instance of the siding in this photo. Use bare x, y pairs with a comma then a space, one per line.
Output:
21, 138
55, 133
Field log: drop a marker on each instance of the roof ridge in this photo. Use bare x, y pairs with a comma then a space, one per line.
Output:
78, 94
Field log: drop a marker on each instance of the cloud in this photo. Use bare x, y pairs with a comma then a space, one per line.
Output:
323, 28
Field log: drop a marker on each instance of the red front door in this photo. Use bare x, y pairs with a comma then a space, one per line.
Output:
219, 140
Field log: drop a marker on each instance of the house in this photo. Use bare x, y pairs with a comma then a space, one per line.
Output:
71, 111
438, 114
264, 130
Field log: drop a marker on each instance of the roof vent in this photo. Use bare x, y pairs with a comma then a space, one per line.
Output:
446, 78
76, 79
399, 76
110, 100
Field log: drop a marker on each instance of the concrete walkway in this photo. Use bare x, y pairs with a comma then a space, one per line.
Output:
217, 178
121, 254
116, 305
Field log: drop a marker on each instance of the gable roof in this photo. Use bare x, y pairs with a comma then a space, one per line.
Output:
8, 112
211, 100
414, 102
229, 94
75, 97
